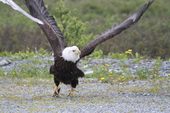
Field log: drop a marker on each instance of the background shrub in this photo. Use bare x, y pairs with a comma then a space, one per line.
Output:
82, 20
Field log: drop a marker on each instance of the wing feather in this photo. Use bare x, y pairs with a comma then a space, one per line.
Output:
50, 27
89, 48
19, 9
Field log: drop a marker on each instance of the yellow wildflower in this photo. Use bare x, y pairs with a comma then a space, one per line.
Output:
102, 78
129, 51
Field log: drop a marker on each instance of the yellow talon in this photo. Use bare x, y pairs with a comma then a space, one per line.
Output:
56, 91
71, 92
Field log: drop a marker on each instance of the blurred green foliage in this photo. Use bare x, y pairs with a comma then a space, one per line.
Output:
82, 20
73, 28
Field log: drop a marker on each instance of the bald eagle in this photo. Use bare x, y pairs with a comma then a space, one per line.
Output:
65, 68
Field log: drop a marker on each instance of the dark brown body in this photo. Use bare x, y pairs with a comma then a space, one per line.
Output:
66, 72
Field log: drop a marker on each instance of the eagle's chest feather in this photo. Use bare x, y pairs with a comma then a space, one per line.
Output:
65, 71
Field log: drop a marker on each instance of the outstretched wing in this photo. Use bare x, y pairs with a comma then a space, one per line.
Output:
19, 9
50, 28
89, 48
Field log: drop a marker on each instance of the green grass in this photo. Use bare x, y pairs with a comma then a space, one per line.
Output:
32, 68
27, 71
24, 54
35, 68
103, 73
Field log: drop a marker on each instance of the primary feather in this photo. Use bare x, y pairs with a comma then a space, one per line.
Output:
110, 33
50, 27
19, 9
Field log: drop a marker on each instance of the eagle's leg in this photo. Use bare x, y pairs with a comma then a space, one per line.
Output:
74, 83
56, 88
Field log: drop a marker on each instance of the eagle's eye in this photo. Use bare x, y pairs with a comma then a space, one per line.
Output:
73, 50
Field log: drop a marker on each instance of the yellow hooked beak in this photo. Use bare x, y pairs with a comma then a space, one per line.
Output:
78, 52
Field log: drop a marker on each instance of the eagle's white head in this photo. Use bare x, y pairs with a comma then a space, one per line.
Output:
71, 53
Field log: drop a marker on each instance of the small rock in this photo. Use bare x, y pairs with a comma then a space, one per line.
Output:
4, 62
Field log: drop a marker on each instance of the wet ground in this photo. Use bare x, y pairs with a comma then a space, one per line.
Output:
33, 95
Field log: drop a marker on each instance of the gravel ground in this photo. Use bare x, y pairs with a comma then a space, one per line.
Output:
35, 95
